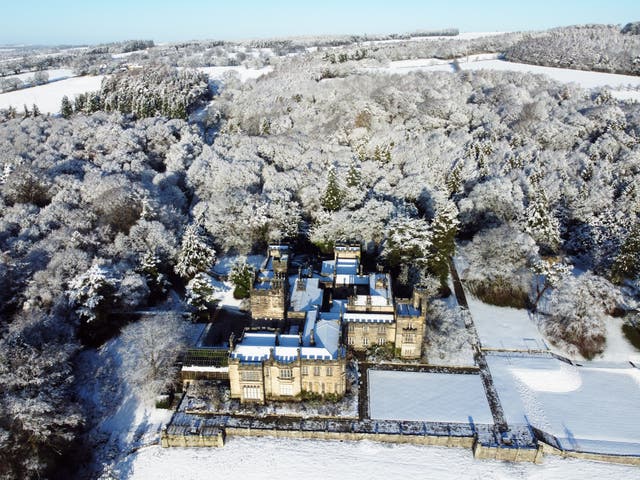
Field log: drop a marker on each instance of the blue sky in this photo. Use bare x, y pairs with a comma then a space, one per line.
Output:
94, 21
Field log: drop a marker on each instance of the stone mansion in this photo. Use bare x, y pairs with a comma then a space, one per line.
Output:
324, 313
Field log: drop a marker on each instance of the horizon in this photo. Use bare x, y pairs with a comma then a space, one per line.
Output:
73, 22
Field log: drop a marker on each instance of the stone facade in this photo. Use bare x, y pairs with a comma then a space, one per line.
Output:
269, 292
274, 380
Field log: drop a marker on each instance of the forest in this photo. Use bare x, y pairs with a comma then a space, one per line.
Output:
521, 177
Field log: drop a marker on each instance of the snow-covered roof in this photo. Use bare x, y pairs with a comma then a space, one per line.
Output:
257, 347
306, 299
368, 317
384, 290
407, 310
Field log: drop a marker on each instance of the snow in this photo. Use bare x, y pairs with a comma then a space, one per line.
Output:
586, 79
218, 73
268, 458
223, 264
435, 397
593, 408
503, 327
54, 74
48, 97
460, 36
618, 348
120, 421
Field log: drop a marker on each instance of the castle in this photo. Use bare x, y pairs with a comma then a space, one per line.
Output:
324, 313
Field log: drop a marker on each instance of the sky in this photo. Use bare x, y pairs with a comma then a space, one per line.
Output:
51, 22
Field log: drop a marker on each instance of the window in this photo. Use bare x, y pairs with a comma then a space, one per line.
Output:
382, 329
304, 370
408, 338
365, 329
352, 328
365, 341
382, 341
285, 373
251, 393
250, 376
352, 341
316, 371
329, 371
286, 389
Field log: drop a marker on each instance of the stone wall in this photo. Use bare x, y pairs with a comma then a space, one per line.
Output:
509, 454
598, 457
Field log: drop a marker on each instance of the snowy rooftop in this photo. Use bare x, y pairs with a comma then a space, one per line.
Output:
257, 347
341, 267
368, 317
407, 310
307, 298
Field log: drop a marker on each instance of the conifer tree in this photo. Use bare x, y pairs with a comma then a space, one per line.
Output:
200, 292
444, 229
242, 277
354, 178
627, 263
333, 194
541, 224
66, 109
195, 255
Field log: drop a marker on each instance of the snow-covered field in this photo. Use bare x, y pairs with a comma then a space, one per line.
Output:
623, 86
501, 327
435, 397
218, 73
595, 407
48, 97
54, 74
268, 458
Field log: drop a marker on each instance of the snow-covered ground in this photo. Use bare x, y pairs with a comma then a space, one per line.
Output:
594, 408
54, 74
218, 73
48, 97
502, 327
435, 397
460, 36
623, 86
268, 458
120, 421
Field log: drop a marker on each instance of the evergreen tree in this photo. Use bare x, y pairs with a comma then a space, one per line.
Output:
90, 291
26, 111
242, 277
444, 228
408, 241
541, 224
354, 179
35, 110
201, 293
66, 109
195, 255
150, 267
333, 194
627, 263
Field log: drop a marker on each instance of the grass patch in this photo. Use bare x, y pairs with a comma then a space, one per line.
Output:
499, 292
